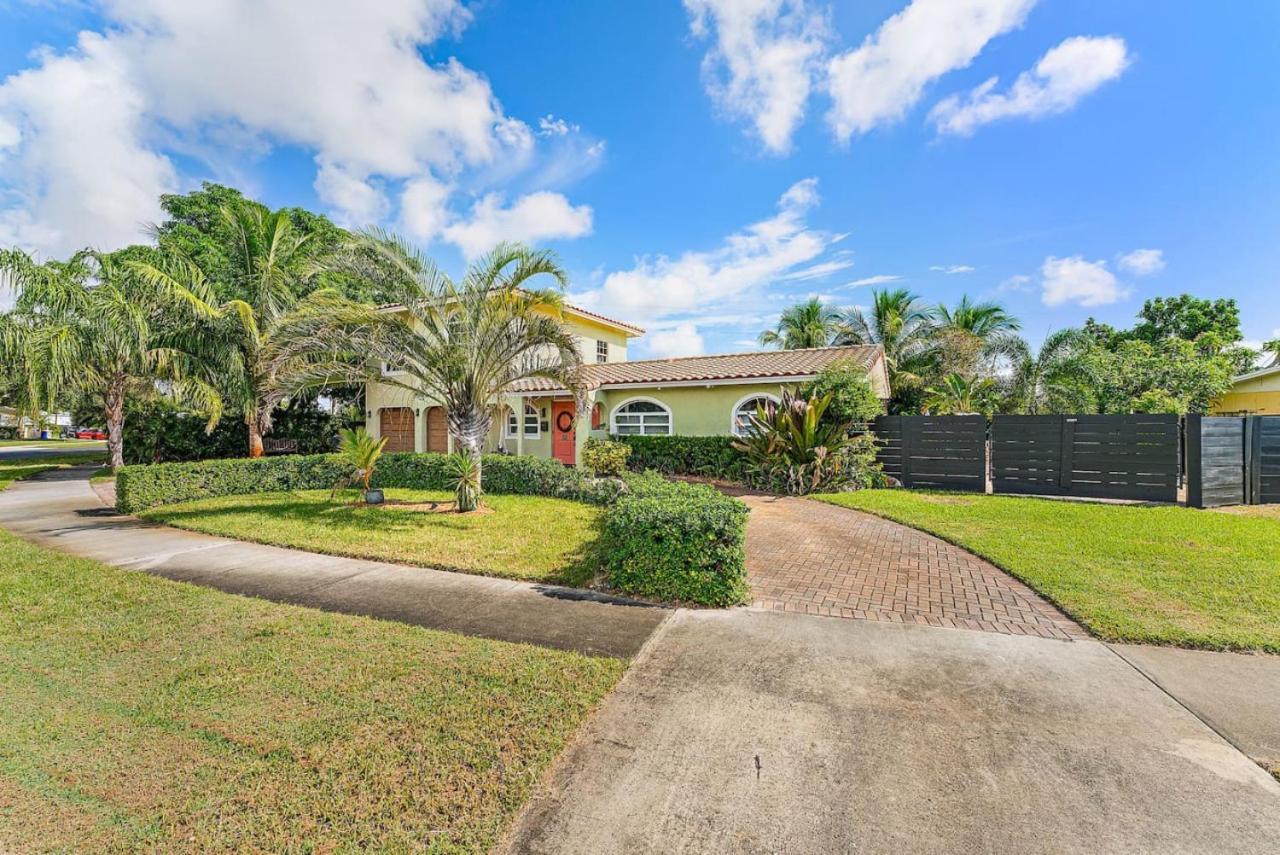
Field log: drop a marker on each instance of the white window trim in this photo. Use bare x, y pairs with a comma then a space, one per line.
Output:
671, 419
733, 414
530, 411
601, 342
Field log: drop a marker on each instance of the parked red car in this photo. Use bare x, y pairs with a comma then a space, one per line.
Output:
90, 433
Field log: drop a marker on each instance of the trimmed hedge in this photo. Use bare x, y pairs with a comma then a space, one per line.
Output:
676, 541
708, 456
665, 540
141, 487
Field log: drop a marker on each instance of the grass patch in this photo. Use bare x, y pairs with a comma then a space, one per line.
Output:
69, 444
15, 469
534, 538
1155, 575
103, 474
138, 714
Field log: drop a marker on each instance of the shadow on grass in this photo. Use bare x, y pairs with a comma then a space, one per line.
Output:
340, 526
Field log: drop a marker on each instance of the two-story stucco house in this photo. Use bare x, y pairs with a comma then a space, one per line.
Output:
692, 396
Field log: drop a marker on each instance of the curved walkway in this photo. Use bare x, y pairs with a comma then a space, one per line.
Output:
58, 509
814, 558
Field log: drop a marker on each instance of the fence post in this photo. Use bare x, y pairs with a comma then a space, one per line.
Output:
1068, 443
1194, 464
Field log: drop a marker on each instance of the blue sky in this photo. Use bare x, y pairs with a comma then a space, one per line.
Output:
697, 165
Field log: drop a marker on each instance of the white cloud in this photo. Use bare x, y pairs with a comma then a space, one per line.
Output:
951, 269
1074, 280
762, 64
76, 171
356, 200
537, 216
423, 211
879, 279
1017, 282
1064, 75
820, 270
345, 82
681, 340
1142, 262
881, 80
549, 126
672, 288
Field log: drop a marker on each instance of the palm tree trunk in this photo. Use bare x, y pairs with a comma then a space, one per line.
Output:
114, 411
255, 438
469, 428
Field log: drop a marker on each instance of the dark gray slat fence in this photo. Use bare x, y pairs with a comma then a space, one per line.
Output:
1266, 460
1109, 457
1217, 461
938, 452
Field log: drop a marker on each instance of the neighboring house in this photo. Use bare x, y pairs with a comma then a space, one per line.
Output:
1254, 394
689, 396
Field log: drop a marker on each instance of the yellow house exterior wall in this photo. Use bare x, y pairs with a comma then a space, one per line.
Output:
1256, 396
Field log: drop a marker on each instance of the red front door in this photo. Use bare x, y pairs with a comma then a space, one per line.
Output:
562, 432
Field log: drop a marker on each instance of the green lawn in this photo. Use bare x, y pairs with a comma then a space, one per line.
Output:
1159, 575
16, 469
523, 537
138, 714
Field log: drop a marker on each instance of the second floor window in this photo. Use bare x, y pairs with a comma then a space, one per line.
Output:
602, 351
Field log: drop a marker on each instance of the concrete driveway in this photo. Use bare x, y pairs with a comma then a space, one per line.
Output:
754, 731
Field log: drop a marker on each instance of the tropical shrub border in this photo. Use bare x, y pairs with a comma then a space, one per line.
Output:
704, 456
663, 540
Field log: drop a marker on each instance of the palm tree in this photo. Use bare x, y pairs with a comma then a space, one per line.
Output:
809, 324
1272, 347
262, 349
1055, 378
903, 325
955, 394
466, 343
96, 326
973, 337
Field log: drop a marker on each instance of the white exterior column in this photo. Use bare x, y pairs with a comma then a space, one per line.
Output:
419, 428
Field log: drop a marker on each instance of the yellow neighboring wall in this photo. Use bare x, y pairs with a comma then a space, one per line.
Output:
1255, 394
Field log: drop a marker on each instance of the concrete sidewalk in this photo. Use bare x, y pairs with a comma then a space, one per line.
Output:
59, 509
763, 732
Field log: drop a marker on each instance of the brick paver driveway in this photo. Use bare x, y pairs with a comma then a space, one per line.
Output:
813, 558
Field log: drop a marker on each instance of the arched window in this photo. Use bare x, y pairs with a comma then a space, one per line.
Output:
641, 417
745, 409
530, 422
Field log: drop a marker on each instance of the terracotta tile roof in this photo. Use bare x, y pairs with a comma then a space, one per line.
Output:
726, 366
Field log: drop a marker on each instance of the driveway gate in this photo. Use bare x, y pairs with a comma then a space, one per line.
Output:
1233, 460
1109, 457
937, 452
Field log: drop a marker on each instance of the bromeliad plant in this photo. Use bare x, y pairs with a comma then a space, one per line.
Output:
361, 451
793, 449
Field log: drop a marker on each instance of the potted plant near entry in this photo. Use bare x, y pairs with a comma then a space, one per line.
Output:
361, 452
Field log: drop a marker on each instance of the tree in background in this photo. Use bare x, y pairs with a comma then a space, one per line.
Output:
903, 325
972, 338
279, 338
1055, 379
853, 401
1182, 355
96, 326
198, 229
809, 324
956, 395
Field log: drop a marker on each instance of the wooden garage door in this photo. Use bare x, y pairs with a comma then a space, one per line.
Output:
397, 427
437, 430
